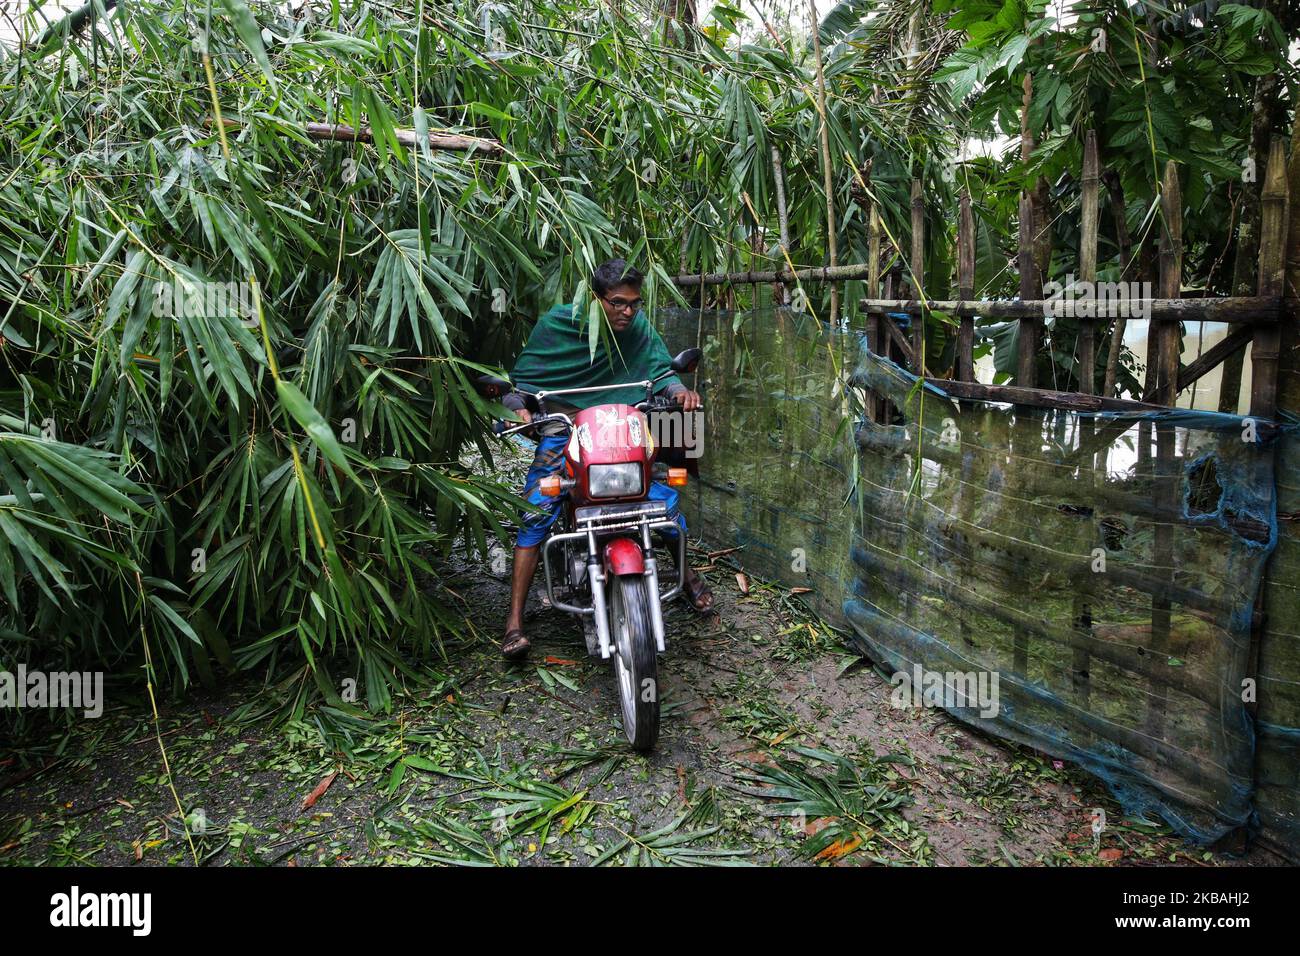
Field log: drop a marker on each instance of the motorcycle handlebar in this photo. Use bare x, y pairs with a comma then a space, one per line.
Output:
501, 428
663, 405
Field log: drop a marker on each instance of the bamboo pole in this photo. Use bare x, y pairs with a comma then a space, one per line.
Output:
1119, 215
965, 288
1038, 397
918, 274
875, 320
755, 245
967, 496
813, 274
1030, 281
860, 191
1081, 672
64, 28
1030, 289
1229, 346
1088, 258
1163, 353
827, 179
337, 132
1264, 350
783, 218
1167, 340
1267, 112
874, 239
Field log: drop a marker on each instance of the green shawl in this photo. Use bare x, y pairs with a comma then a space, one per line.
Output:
558, 356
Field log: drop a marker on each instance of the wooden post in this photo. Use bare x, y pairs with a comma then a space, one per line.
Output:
1167, 336
1088, 259
966, 289
1030, 279
1166, 502
1115, 191
876, 407
1164, 349
873, 252
918, 274
1082, 663
783, 218
969, 485
1027, 357
827, 179
1274, 201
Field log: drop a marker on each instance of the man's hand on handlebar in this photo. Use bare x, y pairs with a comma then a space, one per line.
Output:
689, 400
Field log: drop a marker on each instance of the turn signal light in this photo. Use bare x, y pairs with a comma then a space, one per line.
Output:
677, 477
550, 486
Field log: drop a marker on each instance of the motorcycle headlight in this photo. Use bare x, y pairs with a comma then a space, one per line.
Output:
614, 481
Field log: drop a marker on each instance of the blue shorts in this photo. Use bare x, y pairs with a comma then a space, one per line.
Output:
548, 461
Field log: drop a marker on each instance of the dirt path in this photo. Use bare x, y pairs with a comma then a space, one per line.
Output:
526, 765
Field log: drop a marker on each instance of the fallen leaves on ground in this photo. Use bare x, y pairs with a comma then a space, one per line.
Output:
311, 798
839, 848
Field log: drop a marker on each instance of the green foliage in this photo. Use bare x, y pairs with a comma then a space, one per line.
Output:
846, 807
1156, 84
237, 359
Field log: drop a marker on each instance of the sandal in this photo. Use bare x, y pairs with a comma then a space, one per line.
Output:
514, 645
698, 593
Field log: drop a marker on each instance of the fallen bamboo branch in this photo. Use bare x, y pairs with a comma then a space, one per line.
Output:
337, 132
814, 274
67, 26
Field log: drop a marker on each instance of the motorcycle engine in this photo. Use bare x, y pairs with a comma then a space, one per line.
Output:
577, 571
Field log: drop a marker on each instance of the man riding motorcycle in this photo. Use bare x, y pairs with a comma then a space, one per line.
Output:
558, 356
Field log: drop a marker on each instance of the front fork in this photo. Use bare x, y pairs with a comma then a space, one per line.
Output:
652, 586
597, 578
596, 575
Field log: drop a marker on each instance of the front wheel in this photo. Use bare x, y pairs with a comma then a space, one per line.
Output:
635, 661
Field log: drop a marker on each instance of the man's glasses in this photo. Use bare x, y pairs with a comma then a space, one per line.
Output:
632, 305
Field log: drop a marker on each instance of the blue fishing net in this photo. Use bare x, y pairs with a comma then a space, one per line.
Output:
1083, 582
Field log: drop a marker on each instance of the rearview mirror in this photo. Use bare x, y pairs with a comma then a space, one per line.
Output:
686, 360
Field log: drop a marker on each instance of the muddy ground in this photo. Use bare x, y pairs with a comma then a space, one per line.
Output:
510, 764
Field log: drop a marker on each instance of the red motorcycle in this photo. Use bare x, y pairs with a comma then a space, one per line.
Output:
599, 556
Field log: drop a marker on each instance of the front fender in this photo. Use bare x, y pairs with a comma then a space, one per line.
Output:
623, 556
